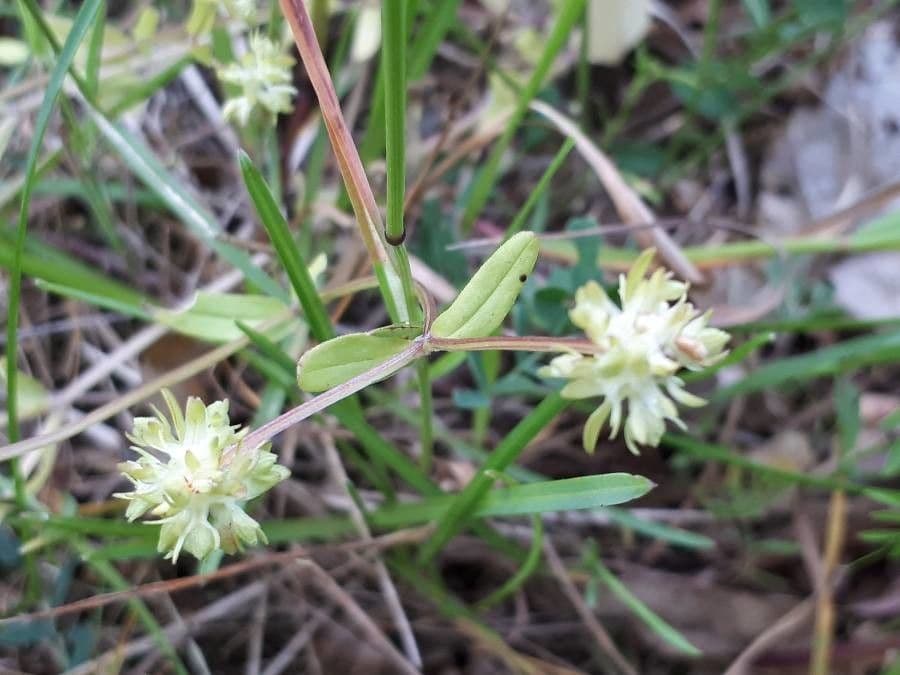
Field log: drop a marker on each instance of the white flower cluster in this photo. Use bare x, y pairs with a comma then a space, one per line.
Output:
196, 490
641, 347
264, 77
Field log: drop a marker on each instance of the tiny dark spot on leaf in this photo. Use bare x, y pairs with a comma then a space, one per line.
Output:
523, 278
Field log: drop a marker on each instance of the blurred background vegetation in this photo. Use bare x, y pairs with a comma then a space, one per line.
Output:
756, 141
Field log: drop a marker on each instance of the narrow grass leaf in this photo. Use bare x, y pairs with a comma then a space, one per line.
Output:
569, 14
82, 23
583, 492
718, 453
277, 228
136, 309
109, 574
659, 531
212, 316
44, 262
95, 54
543, 183
843, 357
528, 567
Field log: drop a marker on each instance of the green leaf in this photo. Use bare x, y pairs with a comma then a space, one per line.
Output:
481, 306
818, 12
529, 566
659, 531
128, 308
334, 362
213, 316
403, 331
47, 263
793, 370
108, 573
569, 494
569, 14
471, 399
95, 54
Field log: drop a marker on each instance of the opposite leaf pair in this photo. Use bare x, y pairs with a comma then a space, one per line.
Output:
477, 311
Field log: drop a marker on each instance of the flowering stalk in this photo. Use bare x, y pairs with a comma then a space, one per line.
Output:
642, 345
197, 490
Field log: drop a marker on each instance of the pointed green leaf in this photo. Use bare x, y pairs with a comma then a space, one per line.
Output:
482, 305
334, 362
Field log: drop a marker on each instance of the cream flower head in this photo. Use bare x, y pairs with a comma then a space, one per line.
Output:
264, 76
195, 489
641, 346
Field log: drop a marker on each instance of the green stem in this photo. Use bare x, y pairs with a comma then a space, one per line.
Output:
394, 22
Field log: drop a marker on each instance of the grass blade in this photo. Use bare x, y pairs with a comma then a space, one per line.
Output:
543, 183
277, 228
655, 622
843, 357
82, 23
569, 15
95, 54
48, 264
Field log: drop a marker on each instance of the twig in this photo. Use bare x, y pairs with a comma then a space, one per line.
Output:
825, 615
318, 403
629, 206
597, 631
327, 585
349, 163
229, 606
257, 636
398, 538
285, 658
127, 400
388, 590
781, 628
